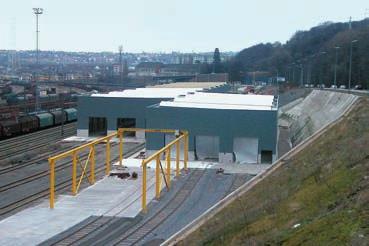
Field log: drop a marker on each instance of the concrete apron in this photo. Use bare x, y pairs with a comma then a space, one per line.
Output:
110, 196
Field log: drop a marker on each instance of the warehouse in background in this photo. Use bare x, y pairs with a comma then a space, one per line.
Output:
223, 127
100, 114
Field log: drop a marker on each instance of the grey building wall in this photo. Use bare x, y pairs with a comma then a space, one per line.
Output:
227, 124
113, 108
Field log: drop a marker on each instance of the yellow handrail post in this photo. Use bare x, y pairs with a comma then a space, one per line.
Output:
92, 164
91, 159
74, 174
177, 158
157, 176
144, 187
185, 151
120, 148
107, 169
168, 167
52, 182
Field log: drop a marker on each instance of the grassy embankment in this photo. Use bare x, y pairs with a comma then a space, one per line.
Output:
320, 197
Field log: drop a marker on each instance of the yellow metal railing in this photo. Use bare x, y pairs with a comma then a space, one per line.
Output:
74, 153
181, 135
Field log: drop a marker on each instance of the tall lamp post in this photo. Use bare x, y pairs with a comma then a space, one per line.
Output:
335, 66
321, 70
37, 12
350, 68
301, 74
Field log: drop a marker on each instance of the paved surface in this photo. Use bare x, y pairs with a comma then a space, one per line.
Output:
110, 196
117, 198
210, 188
39, 181
252, 169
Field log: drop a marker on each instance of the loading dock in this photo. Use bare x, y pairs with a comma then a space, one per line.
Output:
207, 148
246, 150
127, 123
266, 157
97, 126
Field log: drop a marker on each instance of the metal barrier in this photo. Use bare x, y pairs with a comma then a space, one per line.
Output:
75, 160
180, 135
107, 139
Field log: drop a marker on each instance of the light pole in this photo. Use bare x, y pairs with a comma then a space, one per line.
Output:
321, 69
350, 68
335, 66
310, 61
302, 74
61, 98
37, 12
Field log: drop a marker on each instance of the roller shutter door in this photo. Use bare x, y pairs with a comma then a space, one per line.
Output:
207, 147
246, 150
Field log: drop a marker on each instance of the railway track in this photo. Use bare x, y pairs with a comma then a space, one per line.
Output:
40, 158
60, 186
28, 143
95, 225
60, 166
18, 139
138, 232
120, 235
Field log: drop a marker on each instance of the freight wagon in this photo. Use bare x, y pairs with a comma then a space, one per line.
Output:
45, 120
71, 114
59, 116
10, 128
30, 123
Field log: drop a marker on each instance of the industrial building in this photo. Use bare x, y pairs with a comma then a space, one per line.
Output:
223, 127
100, 114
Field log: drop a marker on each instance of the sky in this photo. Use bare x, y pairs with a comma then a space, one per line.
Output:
165, 25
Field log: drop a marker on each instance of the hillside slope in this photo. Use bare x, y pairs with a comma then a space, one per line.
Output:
314, 51
319, 197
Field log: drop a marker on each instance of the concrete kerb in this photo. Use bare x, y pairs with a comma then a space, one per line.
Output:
212, 211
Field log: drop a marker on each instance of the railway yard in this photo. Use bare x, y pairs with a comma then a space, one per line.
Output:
24, 185
24, 172
109, 212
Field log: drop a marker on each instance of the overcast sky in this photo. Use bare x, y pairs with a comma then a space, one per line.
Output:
165, 25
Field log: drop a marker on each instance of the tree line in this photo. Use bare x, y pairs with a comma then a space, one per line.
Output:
310, 56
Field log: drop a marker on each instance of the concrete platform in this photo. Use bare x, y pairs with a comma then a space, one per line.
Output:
252, 169
110, 196
113, 140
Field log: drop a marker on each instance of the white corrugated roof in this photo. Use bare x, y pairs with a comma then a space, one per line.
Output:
204, 85
149, 93
223, 101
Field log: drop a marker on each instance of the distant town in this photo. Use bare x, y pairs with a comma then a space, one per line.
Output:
102, 67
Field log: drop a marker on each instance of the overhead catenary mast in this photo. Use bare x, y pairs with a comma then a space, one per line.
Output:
121, 64
37, 12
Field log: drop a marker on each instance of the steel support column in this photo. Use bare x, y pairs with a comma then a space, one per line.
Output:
107, 168
52, 183
74, 174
